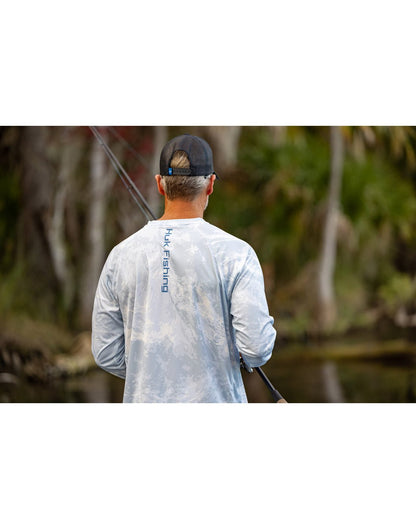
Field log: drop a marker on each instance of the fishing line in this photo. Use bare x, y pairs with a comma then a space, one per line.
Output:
126, 144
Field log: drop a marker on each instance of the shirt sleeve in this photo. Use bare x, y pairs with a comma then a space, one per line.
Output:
253, 326
107, 326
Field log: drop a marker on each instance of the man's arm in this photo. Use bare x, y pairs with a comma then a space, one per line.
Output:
253, 326
107, 327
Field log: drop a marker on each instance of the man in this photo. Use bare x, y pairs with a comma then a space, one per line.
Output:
180, 300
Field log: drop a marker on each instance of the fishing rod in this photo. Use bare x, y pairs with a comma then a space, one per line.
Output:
125, 178
276, 395
148, 213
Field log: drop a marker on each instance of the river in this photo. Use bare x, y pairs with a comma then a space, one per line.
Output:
390, 378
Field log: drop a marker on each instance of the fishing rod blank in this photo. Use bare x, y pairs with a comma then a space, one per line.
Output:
276, 395
125, 178
148, 213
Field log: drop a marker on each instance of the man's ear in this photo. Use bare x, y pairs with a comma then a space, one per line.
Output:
158, 179
210, 187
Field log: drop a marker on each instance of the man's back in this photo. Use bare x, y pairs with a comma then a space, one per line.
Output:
176, 305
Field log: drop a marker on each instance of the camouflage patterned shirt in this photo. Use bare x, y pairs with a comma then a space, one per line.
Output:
177, 303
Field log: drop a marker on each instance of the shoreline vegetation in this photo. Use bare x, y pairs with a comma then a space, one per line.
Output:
40, 352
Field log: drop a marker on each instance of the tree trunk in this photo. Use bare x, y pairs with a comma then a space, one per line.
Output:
326, 298
278, 135
155, 200
69, 155
37, 185
224, 146
101, 177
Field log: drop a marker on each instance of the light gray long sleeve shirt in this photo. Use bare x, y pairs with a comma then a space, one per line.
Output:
176, 305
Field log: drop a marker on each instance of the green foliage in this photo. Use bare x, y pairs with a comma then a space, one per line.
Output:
276, 201
381, 205
375, 195
10, 288
398, 291
19, 295
273, 200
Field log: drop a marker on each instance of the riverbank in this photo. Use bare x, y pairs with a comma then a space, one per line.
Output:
41, 351
365, 347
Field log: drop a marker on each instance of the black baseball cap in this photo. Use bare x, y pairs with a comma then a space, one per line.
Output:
199, 154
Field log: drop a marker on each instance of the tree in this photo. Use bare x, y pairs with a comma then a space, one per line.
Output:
37, 177
160, 139
326, 298
101, 178
69, 150
225, 146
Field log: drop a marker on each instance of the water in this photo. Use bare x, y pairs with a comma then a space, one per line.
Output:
298, 380
95, 386
347, 381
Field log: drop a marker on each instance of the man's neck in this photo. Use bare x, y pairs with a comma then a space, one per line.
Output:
181, 209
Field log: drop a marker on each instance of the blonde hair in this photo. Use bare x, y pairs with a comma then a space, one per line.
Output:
184, 187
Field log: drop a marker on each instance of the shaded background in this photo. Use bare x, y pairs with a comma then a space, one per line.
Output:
330, 211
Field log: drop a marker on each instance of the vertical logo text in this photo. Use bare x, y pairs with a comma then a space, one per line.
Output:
165, 260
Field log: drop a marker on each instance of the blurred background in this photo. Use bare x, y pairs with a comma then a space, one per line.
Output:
330, 211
